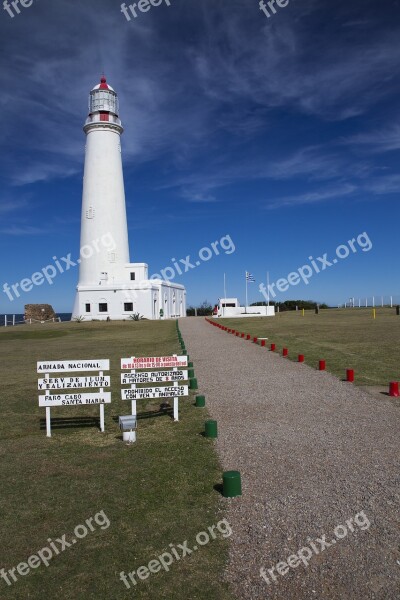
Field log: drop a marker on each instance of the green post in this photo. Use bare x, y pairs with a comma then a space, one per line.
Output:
211, 429
232, 484
191, 373
190, 365
193, 384
200, 401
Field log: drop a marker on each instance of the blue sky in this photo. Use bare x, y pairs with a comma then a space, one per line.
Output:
283, 133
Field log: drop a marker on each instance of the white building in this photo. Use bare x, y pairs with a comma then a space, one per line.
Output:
110, 286
230, 307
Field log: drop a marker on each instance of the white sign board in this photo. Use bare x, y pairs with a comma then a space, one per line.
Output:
50, 384
154, 362
75, 399
73, 365
63, 383
153, 377
154, 392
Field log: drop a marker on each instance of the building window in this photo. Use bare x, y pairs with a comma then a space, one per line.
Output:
133, 276
128, 307
87, 307
103, 307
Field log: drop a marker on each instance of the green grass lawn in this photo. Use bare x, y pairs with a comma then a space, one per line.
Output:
156, 492
344, 338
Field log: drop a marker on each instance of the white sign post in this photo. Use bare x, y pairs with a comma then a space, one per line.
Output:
171, 371
52, 385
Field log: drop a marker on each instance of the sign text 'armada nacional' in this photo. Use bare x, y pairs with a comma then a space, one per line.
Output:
73, 365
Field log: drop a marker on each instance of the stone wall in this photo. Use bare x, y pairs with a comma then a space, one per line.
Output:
39, 312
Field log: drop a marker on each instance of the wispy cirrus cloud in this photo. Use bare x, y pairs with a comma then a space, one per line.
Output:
8, 205
386, 184
325, 195
386, 139
196, 72
22, 230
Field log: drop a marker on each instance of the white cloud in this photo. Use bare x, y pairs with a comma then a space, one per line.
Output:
332, 193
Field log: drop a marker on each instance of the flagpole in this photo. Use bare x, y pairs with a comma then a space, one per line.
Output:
224, 294
268, 286
245, 310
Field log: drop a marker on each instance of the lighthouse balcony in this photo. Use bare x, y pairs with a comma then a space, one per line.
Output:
103, 118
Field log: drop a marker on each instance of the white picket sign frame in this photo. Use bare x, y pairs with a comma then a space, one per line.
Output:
66, 367
136, 366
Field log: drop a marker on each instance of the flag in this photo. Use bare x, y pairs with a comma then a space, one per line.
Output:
249, 277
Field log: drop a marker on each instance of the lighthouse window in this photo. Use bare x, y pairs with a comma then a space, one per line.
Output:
103, 307
133, 276
87, 308
128, 307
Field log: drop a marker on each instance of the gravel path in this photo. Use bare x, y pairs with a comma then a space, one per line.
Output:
313, 452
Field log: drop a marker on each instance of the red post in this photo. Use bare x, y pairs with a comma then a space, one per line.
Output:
322, 365
248, 336
242, 335
285, 352
273, 347
394, 389
263, 343
350, 375
255, 340
301, 357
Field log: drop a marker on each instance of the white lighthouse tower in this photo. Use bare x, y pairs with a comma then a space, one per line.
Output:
109, 285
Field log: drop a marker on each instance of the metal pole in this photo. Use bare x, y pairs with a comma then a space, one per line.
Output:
176, 409
102, 418
245, 310
133, 408
48, 421
223, 311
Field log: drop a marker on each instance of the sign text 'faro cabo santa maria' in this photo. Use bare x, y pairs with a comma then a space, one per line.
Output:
74, 399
